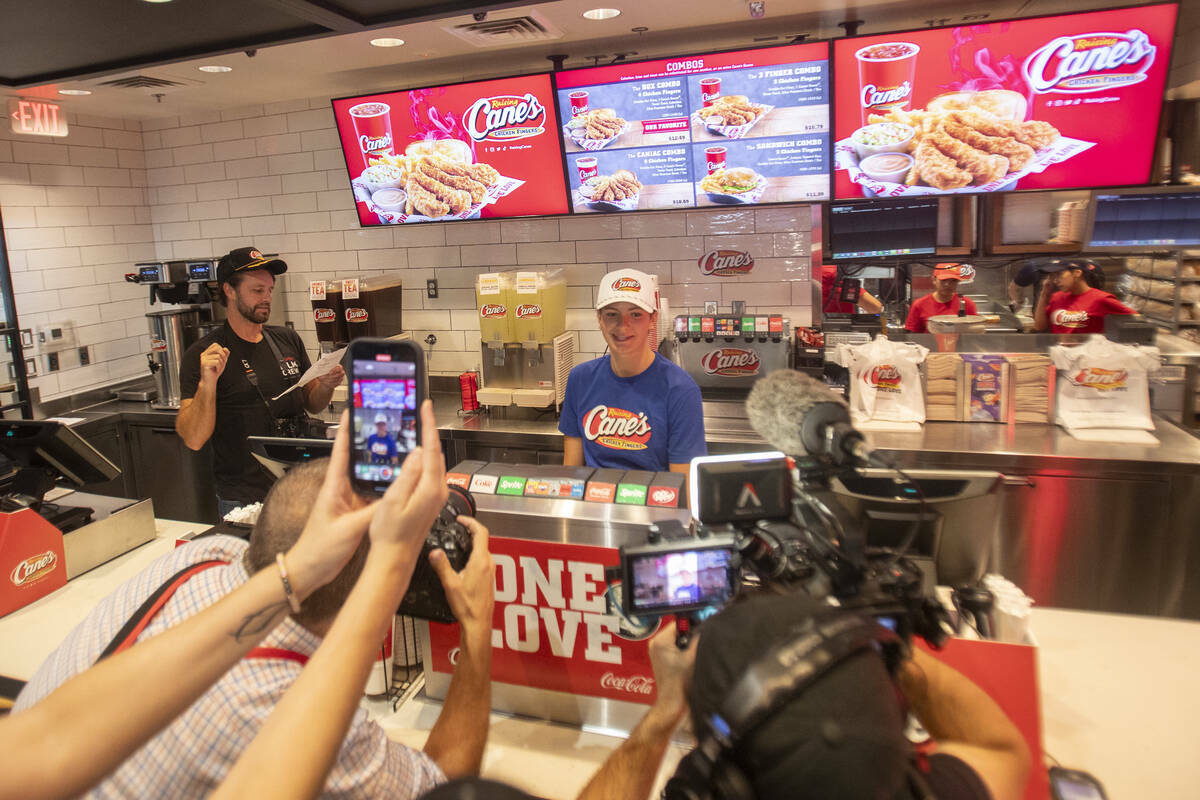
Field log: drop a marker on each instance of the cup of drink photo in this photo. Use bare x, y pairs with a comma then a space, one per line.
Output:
373, 127
579, 103
710, 90
587, 168
714, 158
886, 72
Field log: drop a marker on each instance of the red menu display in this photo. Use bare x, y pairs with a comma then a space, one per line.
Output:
1047, 103
469, 150
736, 128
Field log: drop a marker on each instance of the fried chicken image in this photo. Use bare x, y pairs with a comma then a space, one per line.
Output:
423, 202
1018, 154
438, 185
454, 174
1035, 133
621, 185
984, 167
939, 170
732, 110
604, 127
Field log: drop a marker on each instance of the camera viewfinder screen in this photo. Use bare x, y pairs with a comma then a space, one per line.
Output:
385, 417
681, 580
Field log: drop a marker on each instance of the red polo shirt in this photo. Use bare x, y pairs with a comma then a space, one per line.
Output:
1082, 313
928, 306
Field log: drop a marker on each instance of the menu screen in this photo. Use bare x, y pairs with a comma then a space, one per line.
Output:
1047, 103
735, 128
1146, 220
484, 149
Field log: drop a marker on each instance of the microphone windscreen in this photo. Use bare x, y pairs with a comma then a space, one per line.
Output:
778, 404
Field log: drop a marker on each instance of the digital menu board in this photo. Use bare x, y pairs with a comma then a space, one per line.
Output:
484, 149
735, 128
1046, 103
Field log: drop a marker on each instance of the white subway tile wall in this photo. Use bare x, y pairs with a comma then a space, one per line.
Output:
79, 212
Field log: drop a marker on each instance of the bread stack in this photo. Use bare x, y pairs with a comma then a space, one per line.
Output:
942, 374
1030, 383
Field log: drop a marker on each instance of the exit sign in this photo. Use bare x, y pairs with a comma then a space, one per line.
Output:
37, 118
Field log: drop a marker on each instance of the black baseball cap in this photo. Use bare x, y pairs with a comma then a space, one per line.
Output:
245, 258
842, 736
1062, 264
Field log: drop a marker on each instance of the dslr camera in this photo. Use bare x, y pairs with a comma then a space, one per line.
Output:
425, 598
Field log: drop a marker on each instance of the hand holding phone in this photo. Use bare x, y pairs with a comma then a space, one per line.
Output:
387, 385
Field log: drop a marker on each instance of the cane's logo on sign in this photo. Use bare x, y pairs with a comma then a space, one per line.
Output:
1104, 380
627, 285
356, 315
616, 428
724, 263
873, 96
1065, 318
493, 310
505, 118
33, 568
884, 377
633, 684
324, 314
529, 311
730, 362
1090, 62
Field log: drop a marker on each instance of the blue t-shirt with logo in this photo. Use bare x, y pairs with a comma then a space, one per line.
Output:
647, 422
382, 448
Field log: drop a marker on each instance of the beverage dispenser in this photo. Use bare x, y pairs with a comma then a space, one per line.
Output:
347, 308
727, 351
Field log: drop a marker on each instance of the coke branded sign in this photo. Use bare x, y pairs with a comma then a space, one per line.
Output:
505, 118
33, 568
883, 376
493, 310
550, 629
616, 428
873, 96
529, 311
1090, 62
724, 263
1104, 380
324, 314
730, 362
356, 315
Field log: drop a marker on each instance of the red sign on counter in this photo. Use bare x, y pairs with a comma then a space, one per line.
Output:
31, 559
551, 630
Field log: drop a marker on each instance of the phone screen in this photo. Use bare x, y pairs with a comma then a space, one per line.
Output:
682, 579
385, 417
1073, 789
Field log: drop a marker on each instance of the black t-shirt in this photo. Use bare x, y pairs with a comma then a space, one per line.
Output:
241, 410
951, 778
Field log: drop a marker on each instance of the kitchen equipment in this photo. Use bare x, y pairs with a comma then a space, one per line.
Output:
732, 352
172, 331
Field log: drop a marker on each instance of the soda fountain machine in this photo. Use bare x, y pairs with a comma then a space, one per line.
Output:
731, 351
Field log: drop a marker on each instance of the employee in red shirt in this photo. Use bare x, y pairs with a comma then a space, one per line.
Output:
831, 295
944, 300
1076, 307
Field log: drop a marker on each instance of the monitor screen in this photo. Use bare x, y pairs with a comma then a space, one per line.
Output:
486, 149
1048, 103
875, 230
735, 128
53, 446
1146, 220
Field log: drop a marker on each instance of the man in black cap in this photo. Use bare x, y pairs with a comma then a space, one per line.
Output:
227, 379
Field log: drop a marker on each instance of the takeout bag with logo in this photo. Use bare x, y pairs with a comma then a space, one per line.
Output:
31, 559
1102, 384
885, 380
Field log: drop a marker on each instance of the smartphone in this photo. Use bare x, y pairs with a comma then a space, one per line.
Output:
387, 386
1075, 784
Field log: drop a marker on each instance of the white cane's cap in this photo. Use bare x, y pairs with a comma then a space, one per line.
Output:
629, 286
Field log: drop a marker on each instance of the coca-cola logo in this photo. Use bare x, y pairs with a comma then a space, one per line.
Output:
375, 144
632, 684
883, 376
356, 315
493, 310
1065, 318
616, 428
1105, 380
1090, 62
873, 96
34, 568
528, 310
730, 362
324, 314
726, 262
504, 118
627, 285
661, 496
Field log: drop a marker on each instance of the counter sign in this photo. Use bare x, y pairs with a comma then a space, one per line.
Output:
37, 118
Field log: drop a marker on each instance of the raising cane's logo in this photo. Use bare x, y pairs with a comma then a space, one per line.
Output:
324, 314
884, 377
873, 95
726, 262
493, 310
730, 362
529, 311
633, 684
356, 315
1090, 62
505, 118
616, 428
627, 285
1104, 380
33, 568
1069, 319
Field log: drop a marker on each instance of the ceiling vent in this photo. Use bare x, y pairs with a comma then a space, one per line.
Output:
141, 82
497, 31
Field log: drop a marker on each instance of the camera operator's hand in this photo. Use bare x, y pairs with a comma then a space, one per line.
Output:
416, 497
672, 671
472, 592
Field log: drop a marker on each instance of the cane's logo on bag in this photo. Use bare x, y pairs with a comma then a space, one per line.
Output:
884, 377
1069, 319
356, 315
616, 428
504, 118
324, 314
730, 362
1104, 380
633, 684
1090, 62
529, 311
492, 310
627, 285
33, 568
724, 263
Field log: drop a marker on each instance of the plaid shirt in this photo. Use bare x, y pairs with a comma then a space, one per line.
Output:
192, 755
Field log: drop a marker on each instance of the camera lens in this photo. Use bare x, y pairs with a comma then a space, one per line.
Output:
460, 502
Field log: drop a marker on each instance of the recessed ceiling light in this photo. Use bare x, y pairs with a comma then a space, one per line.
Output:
74, 92
602, 13
158, 1
214, 68
387, 42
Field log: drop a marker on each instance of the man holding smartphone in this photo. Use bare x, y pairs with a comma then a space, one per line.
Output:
228, 377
